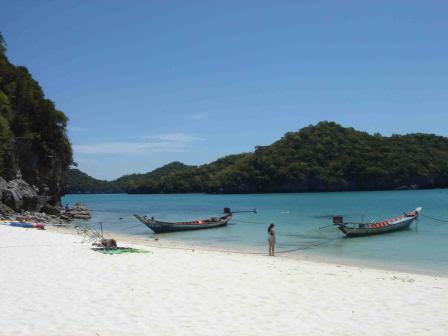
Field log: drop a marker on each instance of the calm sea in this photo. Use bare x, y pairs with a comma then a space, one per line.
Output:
298, 218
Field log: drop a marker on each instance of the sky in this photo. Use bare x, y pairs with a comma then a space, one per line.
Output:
145, 83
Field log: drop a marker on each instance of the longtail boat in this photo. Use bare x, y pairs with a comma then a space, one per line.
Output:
162, 227
354, 229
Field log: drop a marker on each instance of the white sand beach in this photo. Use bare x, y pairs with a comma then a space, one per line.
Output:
51, 284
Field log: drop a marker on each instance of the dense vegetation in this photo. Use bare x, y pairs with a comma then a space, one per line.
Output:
33, 136
78, 182
324, 157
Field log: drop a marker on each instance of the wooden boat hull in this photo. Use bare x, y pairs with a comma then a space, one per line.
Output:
392, 225
359, 232
164, 227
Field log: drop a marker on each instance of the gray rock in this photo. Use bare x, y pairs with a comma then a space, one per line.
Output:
19, 195
51, 210
3, 185
78, 212
5, 211
42, 201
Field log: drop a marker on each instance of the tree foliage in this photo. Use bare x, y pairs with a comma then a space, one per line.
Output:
33, 136
2, 44
323, 157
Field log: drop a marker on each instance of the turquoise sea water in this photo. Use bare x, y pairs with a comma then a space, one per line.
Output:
297, 217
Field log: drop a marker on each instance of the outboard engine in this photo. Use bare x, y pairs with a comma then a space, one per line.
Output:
338, 220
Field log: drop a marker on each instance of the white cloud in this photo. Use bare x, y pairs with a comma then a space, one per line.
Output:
173, 137
169, 142
198, 116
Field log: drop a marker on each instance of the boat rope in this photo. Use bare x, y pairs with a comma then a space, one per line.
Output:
130, 227
435, 219
204, 249
193, 248
236, 251
308, 246
249, 222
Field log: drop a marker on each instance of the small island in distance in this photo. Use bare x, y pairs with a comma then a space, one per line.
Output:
321, 157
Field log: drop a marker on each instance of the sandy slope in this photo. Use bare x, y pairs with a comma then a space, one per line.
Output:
50, 284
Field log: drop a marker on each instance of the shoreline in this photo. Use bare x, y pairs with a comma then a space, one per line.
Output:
169, 243
406, 188
54, 285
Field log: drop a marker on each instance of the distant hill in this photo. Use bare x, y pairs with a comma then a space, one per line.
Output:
323, 157
78, 182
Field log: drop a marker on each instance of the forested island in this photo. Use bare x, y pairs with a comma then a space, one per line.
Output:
34, 148
35, 156
323, 157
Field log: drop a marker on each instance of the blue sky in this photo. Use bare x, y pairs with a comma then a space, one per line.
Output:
149, 82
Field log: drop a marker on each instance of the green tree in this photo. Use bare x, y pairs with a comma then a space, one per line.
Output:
2, 44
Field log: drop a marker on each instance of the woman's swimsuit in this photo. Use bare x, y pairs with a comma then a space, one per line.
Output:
271, 236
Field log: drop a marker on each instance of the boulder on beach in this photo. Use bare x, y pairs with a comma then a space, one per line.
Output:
78, 212
3, 183
51, 209
21, 200
19, 195
5, 211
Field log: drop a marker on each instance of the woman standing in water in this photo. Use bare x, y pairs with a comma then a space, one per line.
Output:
271, 239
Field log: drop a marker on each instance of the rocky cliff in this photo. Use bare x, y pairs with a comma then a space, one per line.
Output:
34, 147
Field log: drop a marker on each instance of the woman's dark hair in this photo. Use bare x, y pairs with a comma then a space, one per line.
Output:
270, 227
